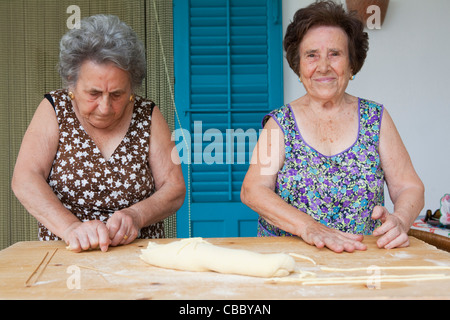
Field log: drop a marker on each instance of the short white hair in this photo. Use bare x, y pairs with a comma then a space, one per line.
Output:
102, 39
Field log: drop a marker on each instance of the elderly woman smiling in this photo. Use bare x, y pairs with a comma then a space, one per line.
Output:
95, 164
332, 152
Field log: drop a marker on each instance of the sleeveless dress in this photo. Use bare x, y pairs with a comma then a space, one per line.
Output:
339, 191
92, 187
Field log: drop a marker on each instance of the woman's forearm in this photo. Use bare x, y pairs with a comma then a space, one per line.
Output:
160, 205
408, 204
275, 210
39, 200
262, 199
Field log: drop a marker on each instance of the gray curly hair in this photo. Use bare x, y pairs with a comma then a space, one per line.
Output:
102, 39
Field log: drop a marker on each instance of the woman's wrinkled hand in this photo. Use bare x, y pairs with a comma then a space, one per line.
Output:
315, 233
393, 233
124, 226
87, 235
121, 228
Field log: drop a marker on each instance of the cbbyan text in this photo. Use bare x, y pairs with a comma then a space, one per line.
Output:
229, 309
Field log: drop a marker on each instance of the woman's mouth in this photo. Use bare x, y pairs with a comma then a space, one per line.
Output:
324, 79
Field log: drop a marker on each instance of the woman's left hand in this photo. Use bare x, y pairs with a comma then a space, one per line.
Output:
393, 232
123, 226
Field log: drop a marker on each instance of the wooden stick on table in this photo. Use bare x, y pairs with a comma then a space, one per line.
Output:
27, 284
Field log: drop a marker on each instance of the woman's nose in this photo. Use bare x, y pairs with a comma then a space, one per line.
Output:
323, 64
105, 104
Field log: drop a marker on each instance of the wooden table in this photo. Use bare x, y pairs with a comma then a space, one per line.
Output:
121, 274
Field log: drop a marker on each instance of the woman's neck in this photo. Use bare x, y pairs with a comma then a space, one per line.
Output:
327, 108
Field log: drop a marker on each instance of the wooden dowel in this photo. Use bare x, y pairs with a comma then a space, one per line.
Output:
35, 270
45, 266
27, 284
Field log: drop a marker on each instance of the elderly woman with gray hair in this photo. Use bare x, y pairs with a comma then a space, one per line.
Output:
95, 165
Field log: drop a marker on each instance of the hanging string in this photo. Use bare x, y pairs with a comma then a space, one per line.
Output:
172, 96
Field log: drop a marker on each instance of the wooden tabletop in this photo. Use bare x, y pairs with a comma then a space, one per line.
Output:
121, 274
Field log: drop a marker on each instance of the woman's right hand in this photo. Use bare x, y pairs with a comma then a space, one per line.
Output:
87, 235
315, 233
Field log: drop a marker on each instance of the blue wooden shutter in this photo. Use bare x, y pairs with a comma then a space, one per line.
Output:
228, 75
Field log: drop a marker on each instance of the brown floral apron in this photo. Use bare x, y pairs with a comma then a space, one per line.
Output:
92, 187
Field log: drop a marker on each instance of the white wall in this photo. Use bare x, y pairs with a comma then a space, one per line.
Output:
408, 70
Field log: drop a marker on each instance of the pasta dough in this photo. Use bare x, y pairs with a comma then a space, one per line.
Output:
196, 254
402, 268
300, 256
310, 279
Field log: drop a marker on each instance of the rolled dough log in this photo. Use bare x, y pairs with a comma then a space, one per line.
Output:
196, 254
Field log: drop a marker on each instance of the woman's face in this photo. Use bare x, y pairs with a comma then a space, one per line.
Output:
102, 94
324, 62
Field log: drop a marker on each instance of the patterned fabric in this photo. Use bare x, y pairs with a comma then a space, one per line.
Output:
93, 187
339, 191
